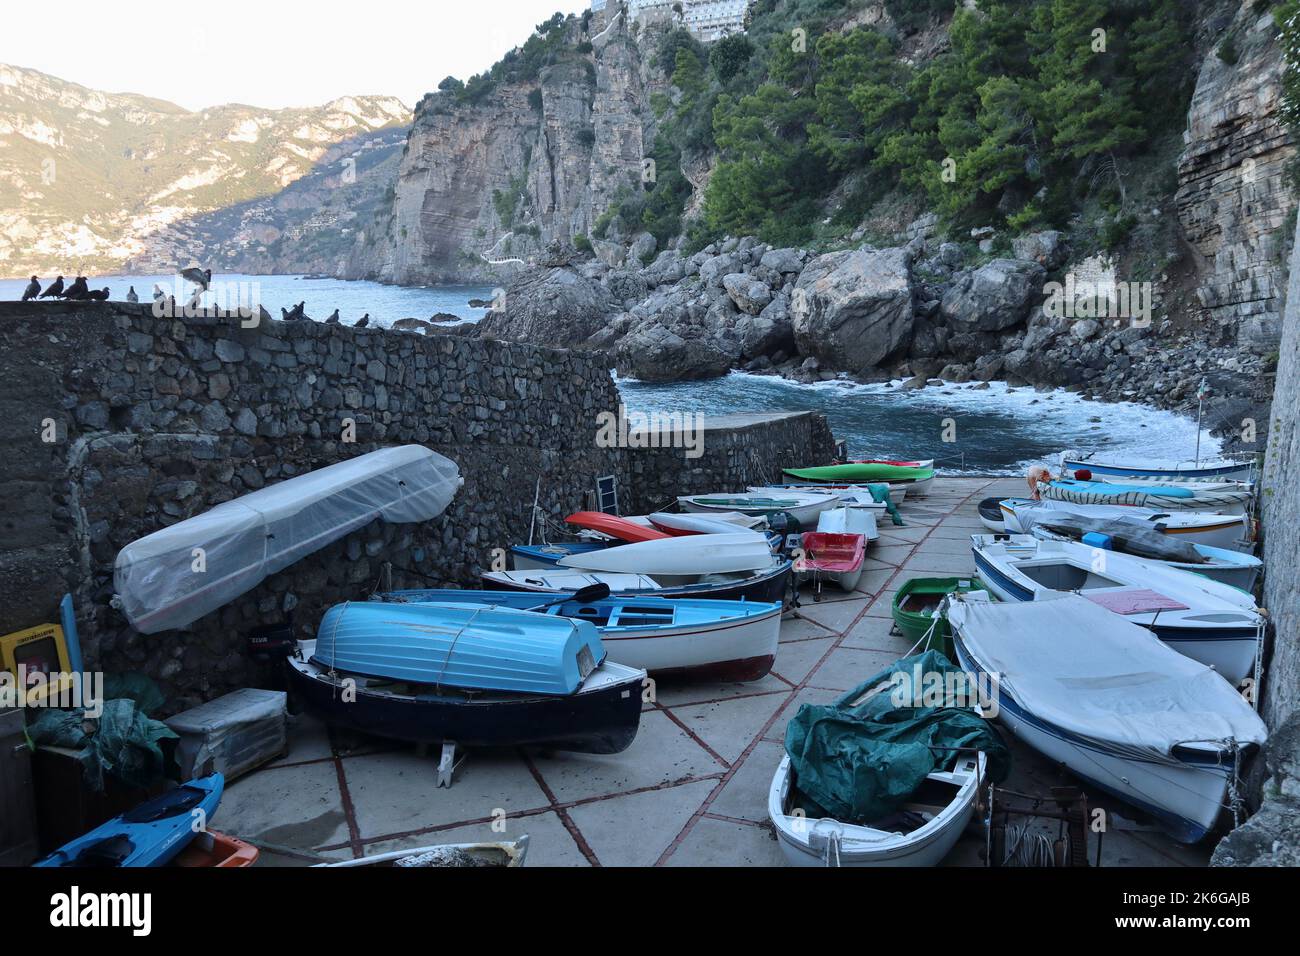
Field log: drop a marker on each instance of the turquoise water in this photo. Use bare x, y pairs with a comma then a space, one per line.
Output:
385, 303
993, 430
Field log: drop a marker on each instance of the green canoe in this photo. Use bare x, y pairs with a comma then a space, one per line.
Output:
861, 471
915, 604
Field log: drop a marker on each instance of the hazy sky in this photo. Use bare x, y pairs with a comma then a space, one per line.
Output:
269, 53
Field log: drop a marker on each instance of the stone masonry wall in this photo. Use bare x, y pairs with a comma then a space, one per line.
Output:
155, 421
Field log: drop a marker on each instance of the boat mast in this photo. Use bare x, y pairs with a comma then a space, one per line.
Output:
1202, 390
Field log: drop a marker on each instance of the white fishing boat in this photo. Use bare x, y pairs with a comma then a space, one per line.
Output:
1195, 527
851, 517
1141, 540
1207, 621
943, 806
766, 584
1090, 690
1103, 464
689, 554
860, 494
804, 507
721, 522
245, 540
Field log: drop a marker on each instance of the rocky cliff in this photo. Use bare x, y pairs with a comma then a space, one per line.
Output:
93, 181
486, 183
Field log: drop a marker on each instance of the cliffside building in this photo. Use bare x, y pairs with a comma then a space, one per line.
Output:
709, 20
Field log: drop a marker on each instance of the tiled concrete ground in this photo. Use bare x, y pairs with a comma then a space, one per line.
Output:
692, 788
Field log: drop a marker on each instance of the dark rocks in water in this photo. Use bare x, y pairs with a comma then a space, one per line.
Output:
444, 317
656, 354
479, 303
410, 325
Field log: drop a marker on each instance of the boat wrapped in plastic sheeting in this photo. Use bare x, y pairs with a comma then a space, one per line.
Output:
1167, 496
173, 577
1120, 709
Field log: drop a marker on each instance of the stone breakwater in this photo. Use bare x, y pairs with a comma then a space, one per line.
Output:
116, 423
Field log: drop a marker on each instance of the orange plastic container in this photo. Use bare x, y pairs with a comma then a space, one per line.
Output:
217, 850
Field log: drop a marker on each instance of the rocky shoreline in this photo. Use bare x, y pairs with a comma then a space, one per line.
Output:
923, 312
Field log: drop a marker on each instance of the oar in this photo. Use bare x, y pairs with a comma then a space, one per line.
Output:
587, 595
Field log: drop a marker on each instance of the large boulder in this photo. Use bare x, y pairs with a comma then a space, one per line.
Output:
995, 296
852, 309
557, 307
1047, 248
750, 295
712, 270
767, 333
783, 260
654, 353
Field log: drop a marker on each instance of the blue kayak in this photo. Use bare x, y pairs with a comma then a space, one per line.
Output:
149, 835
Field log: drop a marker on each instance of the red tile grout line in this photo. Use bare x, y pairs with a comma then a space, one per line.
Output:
703, 809
696, 737
565, 820
345, 797
557, 806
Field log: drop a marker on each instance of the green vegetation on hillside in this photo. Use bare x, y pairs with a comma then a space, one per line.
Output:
1032, 108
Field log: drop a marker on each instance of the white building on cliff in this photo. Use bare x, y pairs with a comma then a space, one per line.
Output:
707, 19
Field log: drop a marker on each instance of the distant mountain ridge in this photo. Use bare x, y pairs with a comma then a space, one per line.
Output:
92, 181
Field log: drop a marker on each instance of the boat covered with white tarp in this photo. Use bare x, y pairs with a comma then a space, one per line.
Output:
1114, 704
173, 577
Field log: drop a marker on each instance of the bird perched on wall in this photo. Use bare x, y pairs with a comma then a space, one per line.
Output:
202, 279
158, 293
77, 290
55, 289
333, 319
33, 289
363, 321
97, 295
131, 296
294, 314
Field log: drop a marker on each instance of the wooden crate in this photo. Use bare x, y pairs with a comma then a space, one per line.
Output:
18, 842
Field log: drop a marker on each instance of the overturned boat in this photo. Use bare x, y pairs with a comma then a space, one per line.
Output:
472, 674
1102, 463
161, 585
718, 640
1207, 621
804, 507
1231, 498
1099, 694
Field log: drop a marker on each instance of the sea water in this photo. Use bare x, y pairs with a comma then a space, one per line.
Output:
993, 430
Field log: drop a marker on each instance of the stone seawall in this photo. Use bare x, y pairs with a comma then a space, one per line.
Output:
736, 451
116, 423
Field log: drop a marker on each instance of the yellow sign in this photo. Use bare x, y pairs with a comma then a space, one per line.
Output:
38, 658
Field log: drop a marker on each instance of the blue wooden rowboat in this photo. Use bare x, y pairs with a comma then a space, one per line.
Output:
150, 834
468, 673
718, 640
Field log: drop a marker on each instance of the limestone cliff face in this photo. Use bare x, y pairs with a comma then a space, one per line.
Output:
484, 186
1233, 194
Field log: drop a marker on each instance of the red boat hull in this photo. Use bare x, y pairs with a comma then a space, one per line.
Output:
614, 526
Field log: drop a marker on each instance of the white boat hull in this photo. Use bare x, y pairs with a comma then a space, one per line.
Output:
1205, 470
691, 554
805, 511
1188, 798
727, 650
1215, 530
827, 842
1218, 627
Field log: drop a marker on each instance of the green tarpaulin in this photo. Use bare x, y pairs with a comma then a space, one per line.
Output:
859, 759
